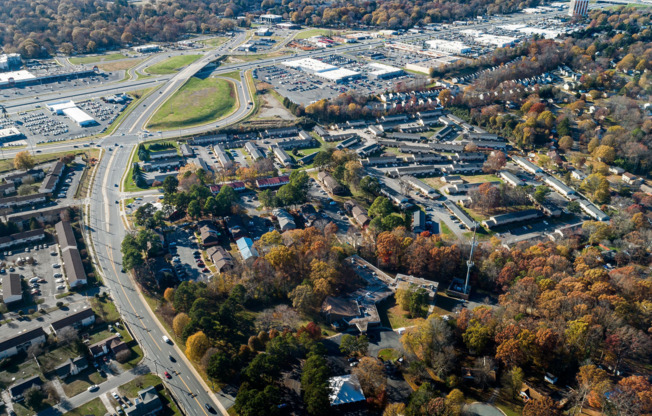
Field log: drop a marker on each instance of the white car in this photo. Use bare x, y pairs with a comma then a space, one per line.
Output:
115, 396
94, 387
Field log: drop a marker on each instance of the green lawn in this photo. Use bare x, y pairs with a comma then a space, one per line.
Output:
95, 407
388, 354
214, 41
444, 229
233, 75
8, 164
73, 386
105, 309
198, 101
172, 65
313, 32
481, 178
96, 58
132, 388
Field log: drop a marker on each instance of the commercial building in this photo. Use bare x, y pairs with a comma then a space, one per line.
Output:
80, 117
271, 18
13, 343
512, 217
450, 46
12, 290
404, 281
263, 31
147, 48
527, 165
382, 71
323, 70
9, 61
23, 77
578, 8
495, 40
10, 134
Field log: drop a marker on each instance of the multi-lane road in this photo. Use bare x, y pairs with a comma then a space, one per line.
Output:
103, 221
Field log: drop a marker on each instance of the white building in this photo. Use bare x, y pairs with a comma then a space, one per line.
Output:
323, 70
13, 343
495, 40
450, 46
345, 390
147, 48
11, 288
9, 134
527, 165
80, 117
9, 61
271, 18
578, 8
382, 71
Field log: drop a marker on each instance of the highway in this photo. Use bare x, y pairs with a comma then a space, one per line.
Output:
103, 221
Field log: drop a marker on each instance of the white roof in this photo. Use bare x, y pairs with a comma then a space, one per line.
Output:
245, 245
60, 105
495, 40
16, 75
77, 115
382, 68
10, 132
345, 389
338, 74
310, 64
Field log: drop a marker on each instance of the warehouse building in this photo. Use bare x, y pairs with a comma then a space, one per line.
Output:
450, 46
147, 48
382, 71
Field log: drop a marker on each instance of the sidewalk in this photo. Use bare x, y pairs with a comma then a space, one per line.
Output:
67, 405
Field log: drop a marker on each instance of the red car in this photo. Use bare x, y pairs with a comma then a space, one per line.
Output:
205, 270
167, 375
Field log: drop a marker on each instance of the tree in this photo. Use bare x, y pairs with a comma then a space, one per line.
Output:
513, 380
544, 406
179, 323
24, 160
194, 209
395, 409
168, 295
67, 335
170, 184
540, 193
254, 402
371, 375
314, 382
303, 298
34, 397
354, 345
566, 143
35, 350
413, 299
597, 186
605, 154
220, 366
370, 185
123, 356
593, 382
495, 162
476, 337
196, 345
381, 207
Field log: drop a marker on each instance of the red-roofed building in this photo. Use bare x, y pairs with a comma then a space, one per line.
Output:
237, 186
272, 182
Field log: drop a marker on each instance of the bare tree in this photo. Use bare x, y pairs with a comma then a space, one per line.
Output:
123, 356
67, 335
35, 350
482, 371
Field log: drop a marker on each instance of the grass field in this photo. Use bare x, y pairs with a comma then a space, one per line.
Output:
8, 164
214, 41
313, 32
198, 101
95, 407
233, 75
78, 384
96, 58
172, 65
105, 309
120, 65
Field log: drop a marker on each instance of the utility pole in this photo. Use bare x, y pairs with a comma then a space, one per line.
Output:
469, 262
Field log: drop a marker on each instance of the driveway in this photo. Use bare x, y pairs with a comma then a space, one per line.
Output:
481, 409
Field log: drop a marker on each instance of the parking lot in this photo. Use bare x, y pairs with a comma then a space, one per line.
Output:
184, 247
305, 88
41, 126
40, 266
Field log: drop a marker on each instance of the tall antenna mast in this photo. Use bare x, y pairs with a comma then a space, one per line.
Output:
469, 262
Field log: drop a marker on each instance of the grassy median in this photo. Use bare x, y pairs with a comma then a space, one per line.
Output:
198, 101
172, 65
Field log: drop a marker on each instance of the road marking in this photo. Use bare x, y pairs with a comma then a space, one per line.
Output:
194, 396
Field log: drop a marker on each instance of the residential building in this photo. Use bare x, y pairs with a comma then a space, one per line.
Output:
360, 216
72, 261
345, 390
71, 367
12, 290
630, 179
77, 319
253, 151
18, 389
593, 211
52, 178
220, 258
13, 343
559, 187
418, 221
285, 220
163, 154
512, 217
510, 178
527, 165
246, 247
420, 186
330, 183
274, 182
209, 235
147, 403
461, 215
112, 344
24, 237
282, 157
